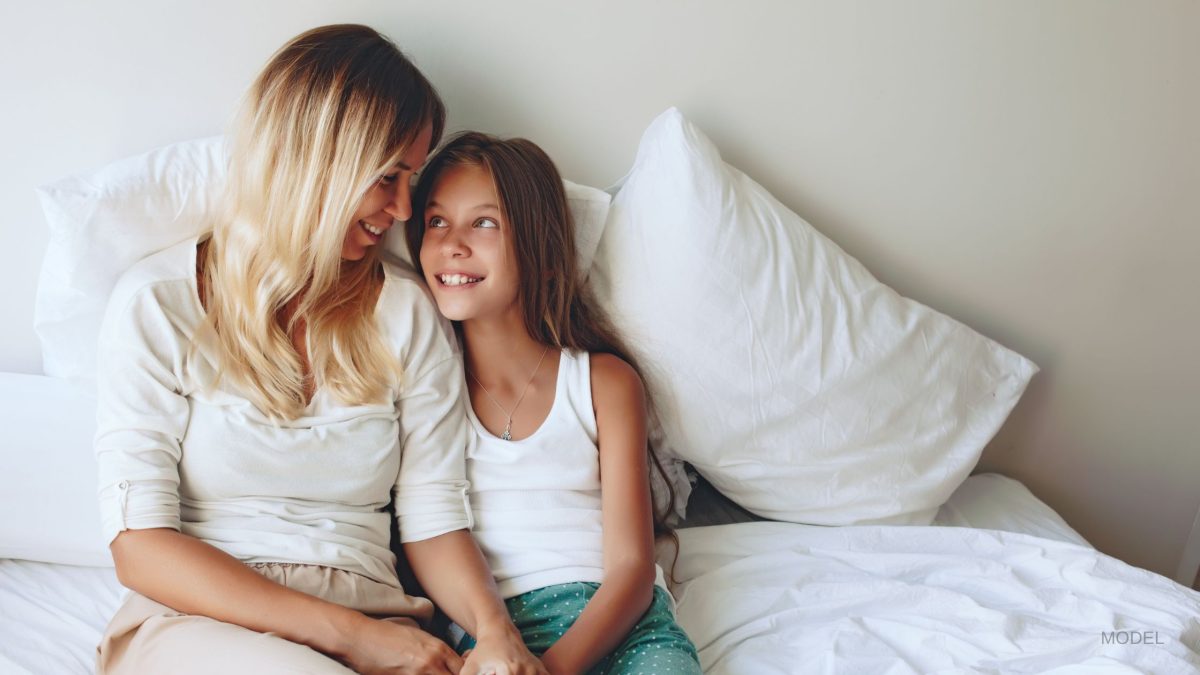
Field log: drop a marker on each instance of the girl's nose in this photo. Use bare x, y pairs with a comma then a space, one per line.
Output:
453, 245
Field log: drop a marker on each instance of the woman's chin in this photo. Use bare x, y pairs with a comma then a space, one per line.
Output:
352, 254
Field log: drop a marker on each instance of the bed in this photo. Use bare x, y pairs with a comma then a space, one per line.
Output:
770, 597
998, 584
819, 429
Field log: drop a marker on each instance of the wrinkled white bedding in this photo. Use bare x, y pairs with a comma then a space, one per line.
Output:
764, 597
52, 616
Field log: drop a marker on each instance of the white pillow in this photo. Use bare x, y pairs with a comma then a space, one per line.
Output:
104, 221
800, 386
100, 224
990, 501
48, 473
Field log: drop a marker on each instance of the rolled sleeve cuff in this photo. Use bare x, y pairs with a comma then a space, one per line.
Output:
138, 505
428, 511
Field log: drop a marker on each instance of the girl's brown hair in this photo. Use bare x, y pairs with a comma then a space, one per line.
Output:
559, 310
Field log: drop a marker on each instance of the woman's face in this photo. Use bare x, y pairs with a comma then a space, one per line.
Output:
386, 201
466, 251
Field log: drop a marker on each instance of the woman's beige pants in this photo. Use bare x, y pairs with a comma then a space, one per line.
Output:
147, 637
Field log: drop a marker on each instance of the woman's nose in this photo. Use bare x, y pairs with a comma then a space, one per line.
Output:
399, 204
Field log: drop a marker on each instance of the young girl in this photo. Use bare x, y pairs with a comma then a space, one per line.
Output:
559, 469
267, 392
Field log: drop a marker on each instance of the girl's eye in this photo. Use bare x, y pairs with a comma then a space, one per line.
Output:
436, 221
388, 179
486, 223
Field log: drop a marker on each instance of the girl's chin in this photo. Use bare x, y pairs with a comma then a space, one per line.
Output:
453, 312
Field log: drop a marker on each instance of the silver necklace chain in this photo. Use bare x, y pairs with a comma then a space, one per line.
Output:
507, 435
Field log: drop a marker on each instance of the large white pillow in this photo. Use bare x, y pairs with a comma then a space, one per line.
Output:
800, 386
48, 473
103, 221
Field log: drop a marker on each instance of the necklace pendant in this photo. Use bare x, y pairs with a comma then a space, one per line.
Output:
507, 435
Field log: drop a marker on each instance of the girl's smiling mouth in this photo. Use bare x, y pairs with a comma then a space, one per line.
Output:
457, 280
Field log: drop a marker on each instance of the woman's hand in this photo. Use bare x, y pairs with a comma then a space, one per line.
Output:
383, 647
501, 653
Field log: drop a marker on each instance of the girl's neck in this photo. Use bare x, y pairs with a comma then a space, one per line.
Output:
500, 350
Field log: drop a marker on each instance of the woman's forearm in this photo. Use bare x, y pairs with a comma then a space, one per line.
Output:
605, 621
191, 576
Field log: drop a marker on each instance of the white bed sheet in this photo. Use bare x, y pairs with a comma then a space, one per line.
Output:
52, 616
763, 598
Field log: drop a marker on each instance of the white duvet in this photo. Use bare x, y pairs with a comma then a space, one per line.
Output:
770, 598
762, 598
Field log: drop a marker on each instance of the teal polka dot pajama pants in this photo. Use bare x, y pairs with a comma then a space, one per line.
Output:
655, 646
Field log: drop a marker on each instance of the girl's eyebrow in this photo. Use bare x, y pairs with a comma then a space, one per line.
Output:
477, 206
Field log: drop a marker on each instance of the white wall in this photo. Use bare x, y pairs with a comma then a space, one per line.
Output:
1030, 168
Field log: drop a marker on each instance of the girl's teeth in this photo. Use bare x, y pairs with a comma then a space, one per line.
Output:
371, 228
457, 279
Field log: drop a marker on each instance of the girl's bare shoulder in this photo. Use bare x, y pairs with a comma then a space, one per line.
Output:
613, 379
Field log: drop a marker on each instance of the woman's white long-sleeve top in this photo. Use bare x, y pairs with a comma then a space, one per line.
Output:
176, 453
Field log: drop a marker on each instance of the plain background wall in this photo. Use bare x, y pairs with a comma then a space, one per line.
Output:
1030, 168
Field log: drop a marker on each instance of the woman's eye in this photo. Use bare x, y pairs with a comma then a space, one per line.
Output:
486, 223
388, 179
436, 221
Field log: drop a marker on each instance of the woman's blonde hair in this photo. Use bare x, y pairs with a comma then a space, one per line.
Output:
332, 111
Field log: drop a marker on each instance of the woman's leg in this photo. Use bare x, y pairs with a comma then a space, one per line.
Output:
148, 637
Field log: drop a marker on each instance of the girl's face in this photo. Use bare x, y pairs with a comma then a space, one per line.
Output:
466, 251
386, 201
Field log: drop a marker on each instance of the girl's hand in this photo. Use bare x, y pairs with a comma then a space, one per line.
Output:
383, 647
501, 653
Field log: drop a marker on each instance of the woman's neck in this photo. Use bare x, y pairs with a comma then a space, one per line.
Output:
500, 350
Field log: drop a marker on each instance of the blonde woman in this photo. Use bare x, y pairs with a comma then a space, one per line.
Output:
268, 391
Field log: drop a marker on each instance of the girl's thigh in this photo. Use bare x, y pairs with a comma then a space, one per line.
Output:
544, 615
657, 644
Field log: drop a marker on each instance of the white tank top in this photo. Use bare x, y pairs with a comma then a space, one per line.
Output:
536, 501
